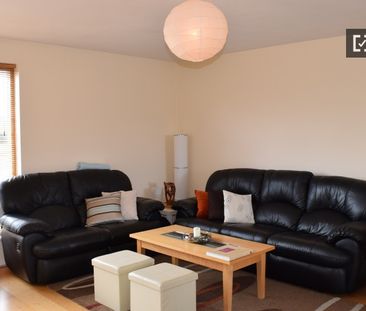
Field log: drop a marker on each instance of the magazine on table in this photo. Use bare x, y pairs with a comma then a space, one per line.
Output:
229, 252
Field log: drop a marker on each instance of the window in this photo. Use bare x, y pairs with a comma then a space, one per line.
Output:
8, 146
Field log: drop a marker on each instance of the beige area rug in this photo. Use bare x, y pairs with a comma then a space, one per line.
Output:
279, 296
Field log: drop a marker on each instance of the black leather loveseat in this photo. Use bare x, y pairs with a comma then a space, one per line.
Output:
44, 235
317, 223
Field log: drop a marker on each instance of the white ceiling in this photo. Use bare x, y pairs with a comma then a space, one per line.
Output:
135, 27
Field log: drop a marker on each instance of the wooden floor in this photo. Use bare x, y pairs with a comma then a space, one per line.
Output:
358, 296
15, 294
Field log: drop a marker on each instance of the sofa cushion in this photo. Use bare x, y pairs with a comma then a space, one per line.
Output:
186, 208
216, 205
25, 193
119, 233
202, 204
286, 186
127, 203
101, 210
309, 248
240, 180
253, 232
71, 242
321, 222
278, 214
238, 208
149, 209
283, 198
57, 216
341, 194
91, 183
204, 224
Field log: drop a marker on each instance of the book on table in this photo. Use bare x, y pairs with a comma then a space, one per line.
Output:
229, 252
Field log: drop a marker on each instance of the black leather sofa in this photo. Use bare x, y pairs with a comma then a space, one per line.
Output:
44, 235
316, 223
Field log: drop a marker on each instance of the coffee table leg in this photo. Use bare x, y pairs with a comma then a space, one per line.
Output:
261, 277
175, 261
139, 248
227, 284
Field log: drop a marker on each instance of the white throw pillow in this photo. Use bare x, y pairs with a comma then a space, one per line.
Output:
128, 203
238, 208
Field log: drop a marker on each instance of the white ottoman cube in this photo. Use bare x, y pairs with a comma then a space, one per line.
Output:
163, 287
111, 283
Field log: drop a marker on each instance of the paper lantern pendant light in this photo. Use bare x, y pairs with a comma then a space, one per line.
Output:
195, 30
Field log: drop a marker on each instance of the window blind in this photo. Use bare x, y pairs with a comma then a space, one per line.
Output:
8, 152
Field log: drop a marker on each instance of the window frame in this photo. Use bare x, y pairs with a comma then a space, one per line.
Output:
13, 116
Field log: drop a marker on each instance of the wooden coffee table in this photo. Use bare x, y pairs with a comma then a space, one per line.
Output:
195, 253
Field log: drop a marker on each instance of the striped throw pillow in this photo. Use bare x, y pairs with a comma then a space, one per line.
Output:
103, 210
128, 203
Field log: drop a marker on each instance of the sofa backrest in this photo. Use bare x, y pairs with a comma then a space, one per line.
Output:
333, 201
239, 180
91, 183
44, 196
279, 196
25, 193
59, 198
283, 197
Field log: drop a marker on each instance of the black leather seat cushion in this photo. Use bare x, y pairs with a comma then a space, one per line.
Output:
254, 232
119, 232
71, 242
204, 224
322, 221
308, 248
278, 214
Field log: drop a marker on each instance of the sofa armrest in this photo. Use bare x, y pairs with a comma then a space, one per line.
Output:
18, 253
355, 230
23, 225
186, 208
148, 209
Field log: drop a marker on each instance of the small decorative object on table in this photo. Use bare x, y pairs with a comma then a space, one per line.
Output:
203, 238
196, 232
169, 188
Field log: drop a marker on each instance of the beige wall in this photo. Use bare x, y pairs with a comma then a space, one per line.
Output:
79, 105
298, 106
